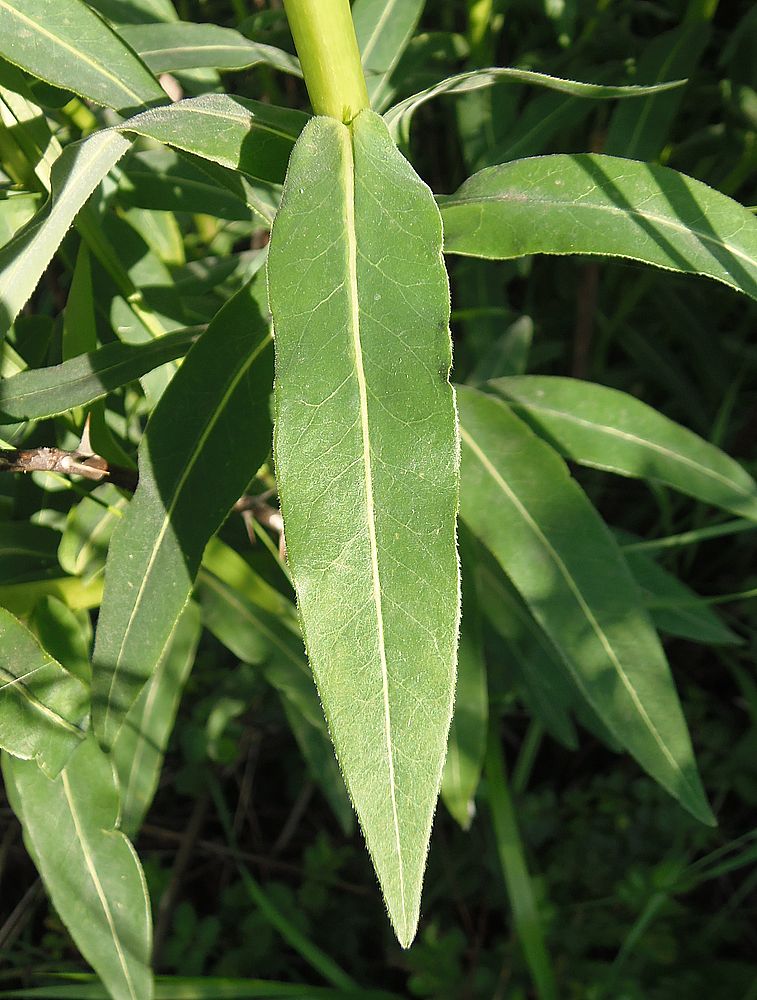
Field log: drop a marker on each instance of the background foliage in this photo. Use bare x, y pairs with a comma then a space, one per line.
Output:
636, 898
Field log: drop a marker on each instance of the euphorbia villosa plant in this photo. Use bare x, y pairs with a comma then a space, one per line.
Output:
375, 454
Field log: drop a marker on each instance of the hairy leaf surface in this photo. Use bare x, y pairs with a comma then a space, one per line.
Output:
366, 460
518, 498
591, 204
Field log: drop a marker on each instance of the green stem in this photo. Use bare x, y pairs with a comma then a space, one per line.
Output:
324, 35
514, 868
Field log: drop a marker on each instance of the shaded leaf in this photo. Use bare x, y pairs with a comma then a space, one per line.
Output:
366, 459
90, 870
43, 708
607, 429
210, 427
592, 204
68, 45
518, 498
383, 29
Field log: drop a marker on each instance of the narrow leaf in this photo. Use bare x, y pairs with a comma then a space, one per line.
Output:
90, 870
139, 748
518, 498
591, 204
399, 117
204, 442
366, 461
244, 135
75, 175
45, 392
67, 44
182, 45
43, 708
383, 29
27, 551
607, 429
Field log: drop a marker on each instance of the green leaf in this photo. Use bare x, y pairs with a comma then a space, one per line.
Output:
383, 29
204, 988
27, 551
64, 635
75, 175
204, 442
141, 744
43, 708
519, 500
244, 135
399, 117
607, 429
90, 870
366, 463
69, 45
89, 526
182, 45
45, 392
591, 204
467, 734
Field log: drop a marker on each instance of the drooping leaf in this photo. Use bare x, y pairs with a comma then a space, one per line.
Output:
45, 392
68, 45
204, 442
470, 720
592, 204
75, 175
141, 744
366, 459
383, 29
90, 870
399, 117
182, 45
519, 500
65, 635
43, 708
244, 135
607, 429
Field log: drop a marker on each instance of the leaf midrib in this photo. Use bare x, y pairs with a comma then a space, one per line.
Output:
351, 284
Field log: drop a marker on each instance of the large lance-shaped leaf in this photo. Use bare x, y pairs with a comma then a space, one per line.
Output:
171, 47
243, 135
592, 204
75, 175
205, 440
138, 751
67, 44
607, 429
43, 708
90, 870
366, 459
44, 392
518, 498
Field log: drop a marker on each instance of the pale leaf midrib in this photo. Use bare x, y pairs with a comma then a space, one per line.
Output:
348, 178
17, 683
206, 432
580, 600
92, 869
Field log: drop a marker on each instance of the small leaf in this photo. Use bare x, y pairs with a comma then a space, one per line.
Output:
89, 526
366, 464
43, 708
204, 442
519, 500
591, 204
90, 870
398, 118
139, 748
68, 45
244, 135
182, 45
607, 429
383, 29
75, 175
45, 392
467, 734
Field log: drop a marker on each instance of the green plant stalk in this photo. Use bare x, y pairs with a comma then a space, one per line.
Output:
324, 36
515, 870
